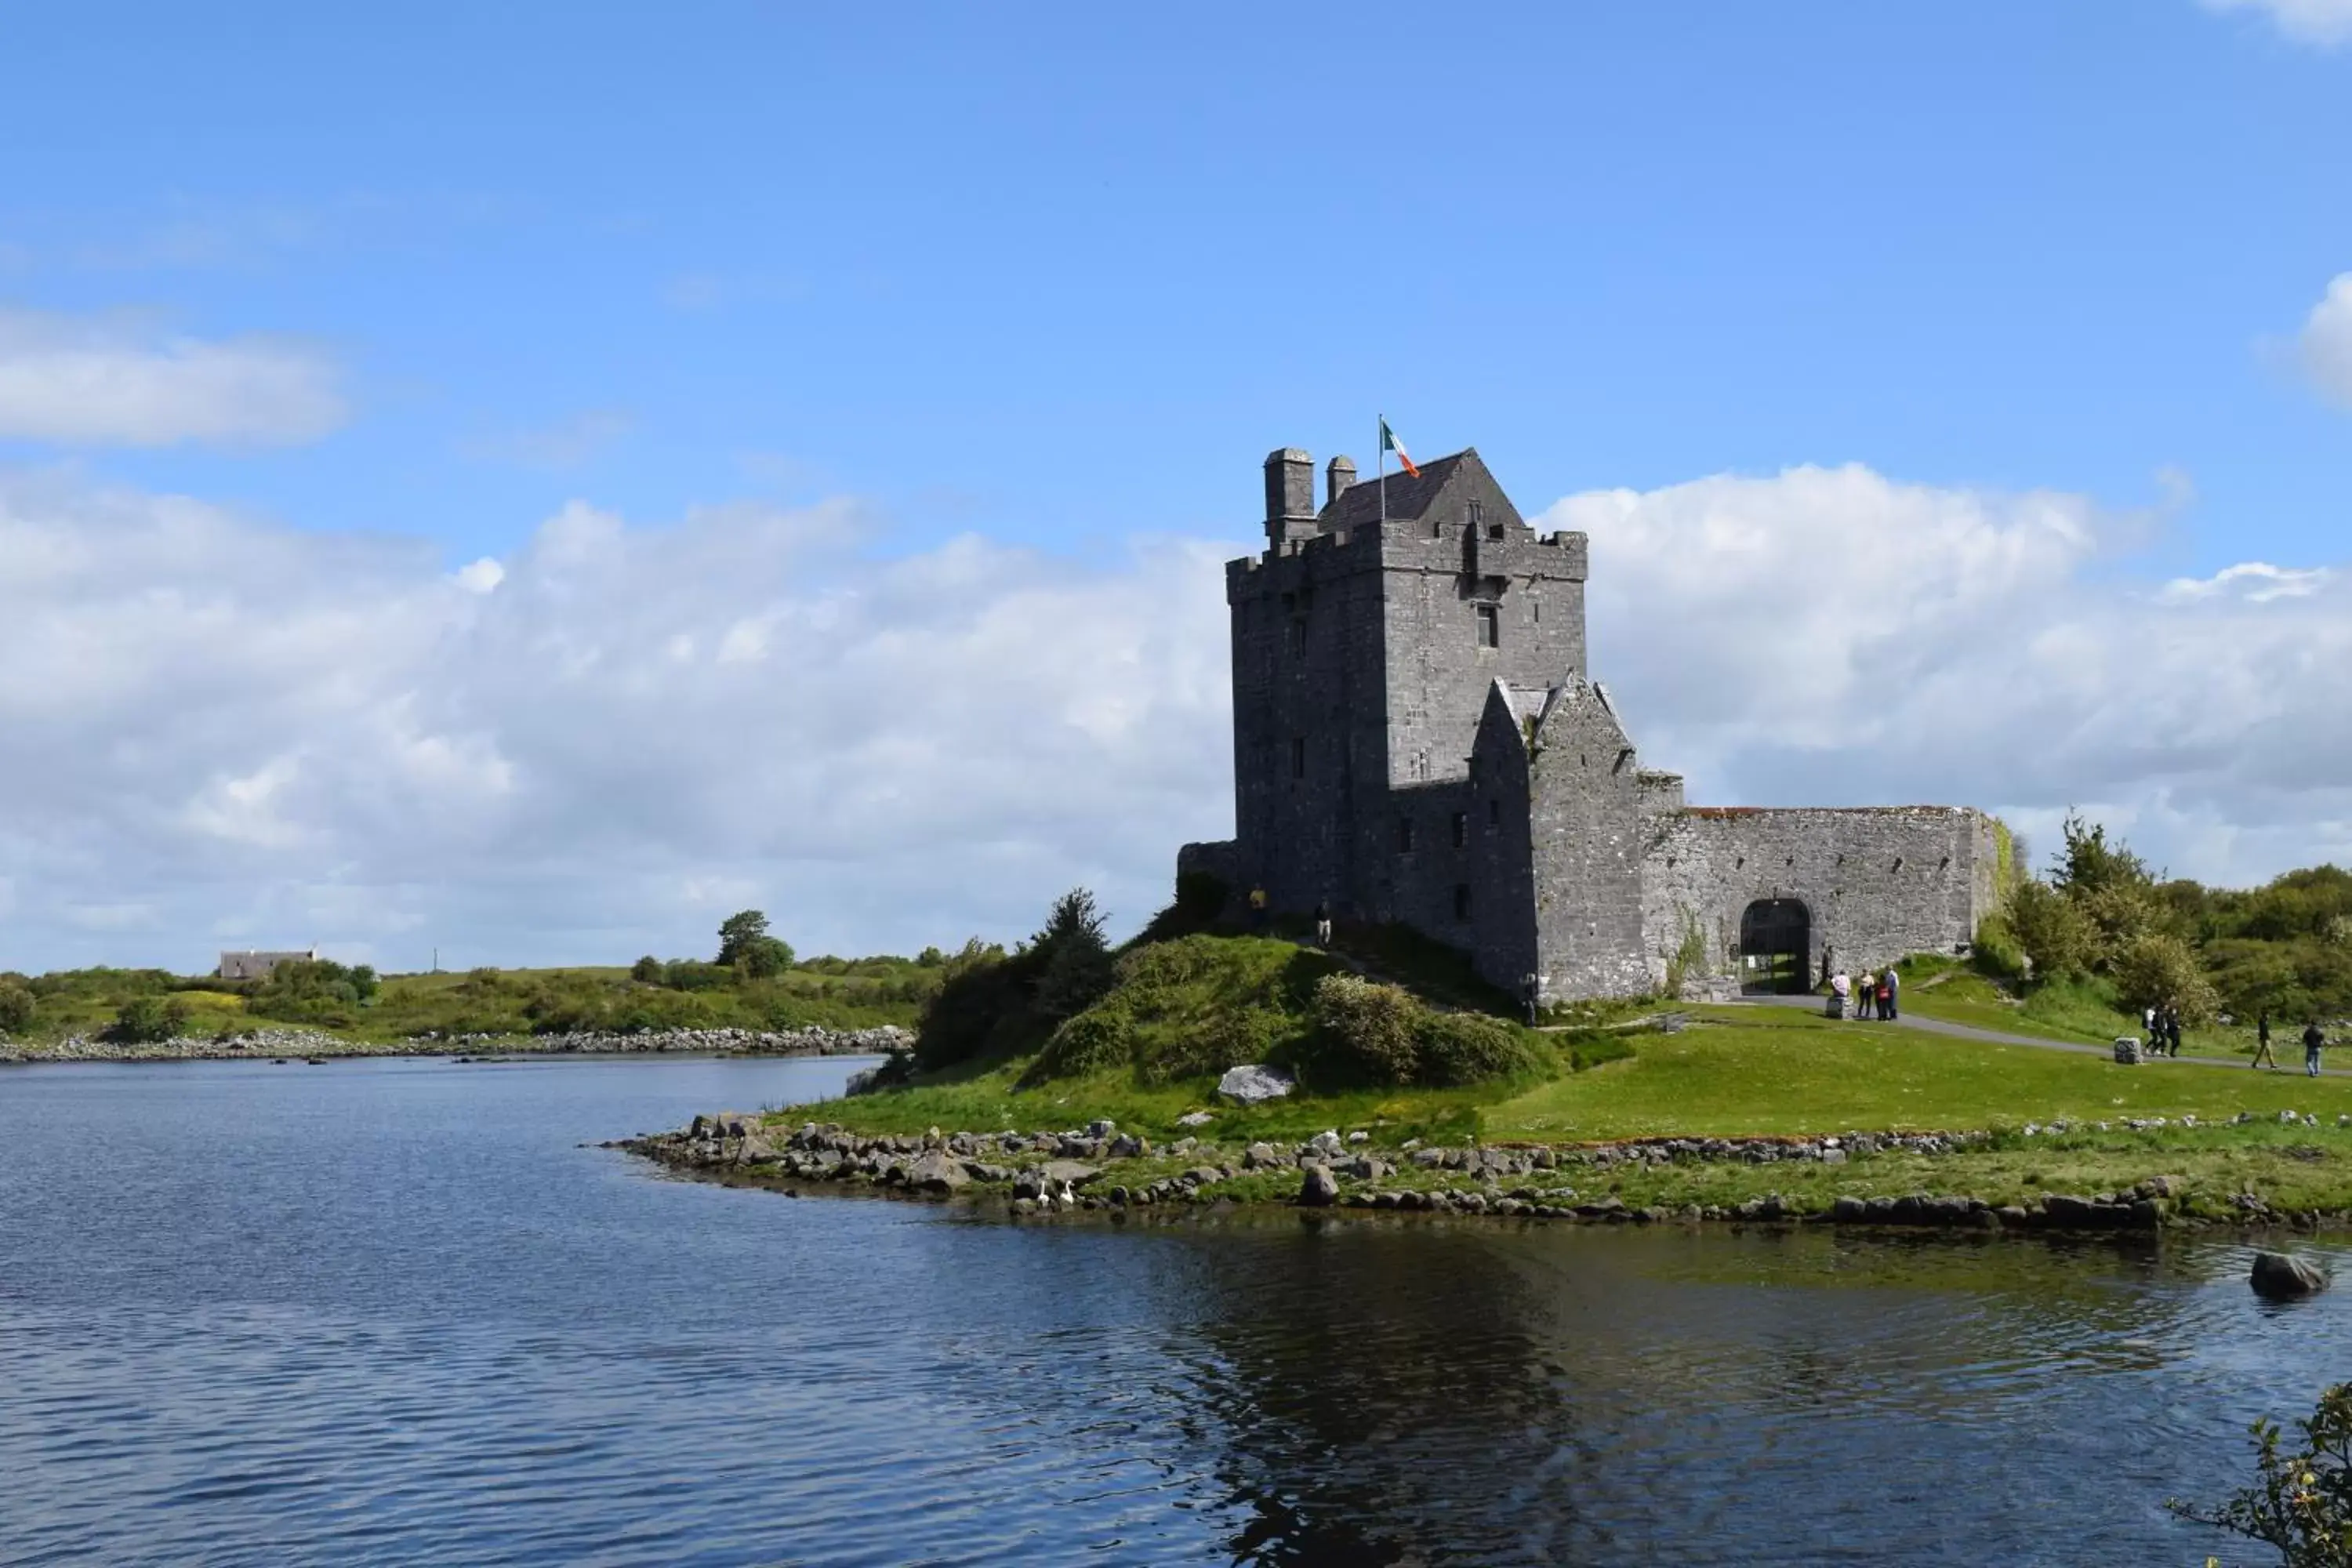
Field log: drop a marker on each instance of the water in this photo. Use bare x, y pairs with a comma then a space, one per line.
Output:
393, 1313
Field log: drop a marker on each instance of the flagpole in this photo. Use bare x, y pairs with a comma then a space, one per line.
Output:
1381, 463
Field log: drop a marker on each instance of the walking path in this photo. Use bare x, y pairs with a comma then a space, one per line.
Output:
2286, 1050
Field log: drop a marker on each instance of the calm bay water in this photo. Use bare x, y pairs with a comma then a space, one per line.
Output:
392, 1312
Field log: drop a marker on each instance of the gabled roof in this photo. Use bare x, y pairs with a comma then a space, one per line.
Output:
1409, 497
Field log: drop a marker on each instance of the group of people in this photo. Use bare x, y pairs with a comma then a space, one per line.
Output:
1867, 996
2162, 1023
2315, 1040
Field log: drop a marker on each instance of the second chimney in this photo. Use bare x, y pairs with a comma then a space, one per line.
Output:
1338, 475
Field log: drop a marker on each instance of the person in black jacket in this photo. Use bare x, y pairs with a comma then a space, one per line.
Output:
2263, 1042
2312, 1040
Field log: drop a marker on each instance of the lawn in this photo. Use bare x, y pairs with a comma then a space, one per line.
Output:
1738, 1071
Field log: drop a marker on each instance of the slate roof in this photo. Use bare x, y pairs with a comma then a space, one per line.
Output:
1409, 497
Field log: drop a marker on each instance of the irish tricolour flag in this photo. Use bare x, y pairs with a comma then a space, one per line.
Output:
1389, 443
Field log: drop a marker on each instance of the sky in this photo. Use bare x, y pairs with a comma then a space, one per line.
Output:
516, 487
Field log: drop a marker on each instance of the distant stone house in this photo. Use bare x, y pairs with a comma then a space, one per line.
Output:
1417, 739
257, 965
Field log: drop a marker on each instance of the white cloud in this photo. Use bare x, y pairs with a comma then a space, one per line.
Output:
1834, 636
305, 737
2326, 342
2322, 22
113, 382
615, 735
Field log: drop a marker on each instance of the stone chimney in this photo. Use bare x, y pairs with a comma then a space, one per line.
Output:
1289, 495
1338, 475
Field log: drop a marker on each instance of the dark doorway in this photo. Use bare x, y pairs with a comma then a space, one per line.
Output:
1775, 947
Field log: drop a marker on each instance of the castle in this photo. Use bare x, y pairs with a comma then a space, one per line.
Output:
1417, 739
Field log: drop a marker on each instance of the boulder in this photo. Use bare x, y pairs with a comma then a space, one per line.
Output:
1252, 1083
2282, 1277
1194, 1119
1257, 1156
1318, 1188
2128, 1051
1069, 1172
937, 1172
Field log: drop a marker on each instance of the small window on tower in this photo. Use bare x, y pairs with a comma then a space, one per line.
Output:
1461, 900
1536, 607
1404, 835
1436, 529
1494, 813
1298, 635
1490, 626
1298, 756
1461, 830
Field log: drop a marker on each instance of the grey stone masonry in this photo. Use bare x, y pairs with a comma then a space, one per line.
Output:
1417, 739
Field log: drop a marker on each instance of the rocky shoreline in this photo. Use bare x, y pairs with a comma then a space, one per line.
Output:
274, 1043
1101, 1168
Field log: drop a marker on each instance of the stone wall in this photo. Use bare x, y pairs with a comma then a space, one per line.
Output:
1586, 828
1877, 882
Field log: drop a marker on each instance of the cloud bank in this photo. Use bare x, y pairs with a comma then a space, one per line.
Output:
216, 730
107, 381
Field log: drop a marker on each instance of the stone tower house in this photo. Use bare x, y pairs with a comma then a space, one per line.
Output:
1417, 738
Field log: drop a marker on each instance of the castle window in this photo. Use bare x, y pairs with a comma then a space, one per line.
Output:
1289, 603
1537, 605
1461, 830
1436, 529
1490, 626
1298, 635
1461, 900
1298, 756
1404, 835
1494, 813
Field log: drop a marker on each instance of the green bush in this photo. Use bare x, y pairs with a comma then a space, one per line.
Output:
1367, 1030
147, 1020
1452, 1048
17, 1006
647, 971
1996, 951
1095, 1041
982, 1005
1233, 1038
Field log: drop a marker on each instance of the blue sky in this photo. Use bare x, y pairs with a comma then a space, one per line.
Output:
1063, 273
534, 478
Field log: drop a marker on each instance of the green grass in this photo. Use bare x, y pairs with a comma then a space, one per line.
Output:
1749, 1071
2077, 1012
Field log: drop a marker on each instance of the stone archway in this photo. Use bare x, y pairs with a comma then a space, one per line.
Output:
1776, 947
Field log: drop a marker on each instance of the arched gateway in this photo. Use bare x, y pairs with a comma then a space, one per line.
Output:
1775, 947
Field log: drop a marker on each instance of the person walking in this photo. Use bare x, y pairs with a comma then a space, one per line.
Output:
1864, 992
1323, 926
2173, 1032
2311, 1041
1257, 908
1885, 993
1893, 994
1842, 989
2263, 1042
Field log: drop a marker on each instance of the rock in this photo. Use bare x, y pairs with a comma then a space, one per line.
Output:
2128, 1051
1318, 1188
1358, 1137
1194, 1119
1101, 1128
1069, 1172
1832, 1156
1848, 1211
1257, 1156
1253, 1083
937, 1172
2282, 1277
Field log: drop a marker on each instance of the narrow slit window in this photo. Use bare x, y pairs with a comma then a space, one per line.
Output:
1461, 830
1494, 813
1298, 756
1298, 635
1490, 626
1461, 900
1404, 835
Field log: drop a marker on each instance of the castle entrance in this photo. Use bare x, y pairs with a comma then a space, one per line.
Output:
1775, 947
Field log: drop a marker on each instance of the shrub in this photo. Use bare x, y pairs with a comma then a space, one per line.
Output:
1996, 950
1095, 1041
1366, 1028
2301, 1504
1231, 1039
1450, 1048
1076, 959
982, 1002
1687, 958
17, 1005
145, 1020
2158, 970
647, 971
2054, 935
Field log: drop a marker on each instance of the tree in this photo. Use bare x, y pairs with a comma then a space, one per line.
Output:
2157, 970
145, 1020
17, 1005
2301, 1504
1077, 958
2057, 938
745, 946
647, 971
2089, 864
